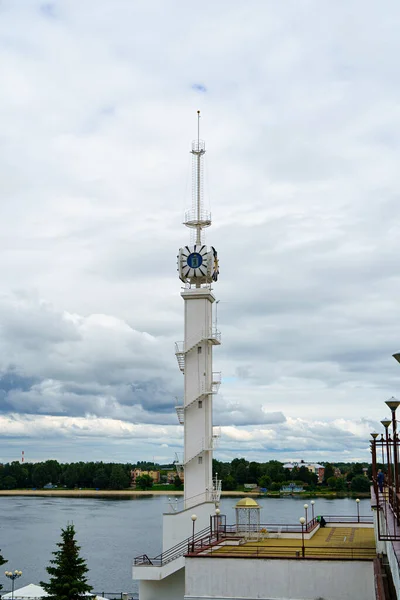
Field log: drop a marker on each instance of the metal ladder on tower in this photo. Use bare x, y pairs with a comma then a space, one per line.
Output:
213, 336
211, 444
215, 383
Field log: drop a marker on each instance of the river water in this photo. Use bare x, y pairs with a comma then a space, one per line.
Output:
112, 531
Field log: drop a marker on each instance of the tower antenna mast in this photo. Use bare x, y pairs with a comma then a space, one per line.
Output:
199, 182
197, 264
197, 218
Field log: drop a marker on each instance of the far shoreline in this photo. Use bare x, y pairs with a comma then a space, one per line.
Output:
133, 493
107, 493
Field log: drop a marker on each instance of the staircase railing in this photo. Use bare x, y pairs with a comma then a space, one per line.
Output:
173, 553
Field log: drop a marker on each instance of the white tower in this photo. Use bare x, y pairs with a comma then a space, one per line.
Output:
198, 270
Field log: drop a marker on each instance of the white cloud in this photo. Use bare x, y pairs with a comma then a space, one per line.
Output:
301, 120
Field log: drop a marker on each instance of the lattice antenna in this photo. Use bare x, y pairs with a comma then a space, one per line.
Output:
197, 218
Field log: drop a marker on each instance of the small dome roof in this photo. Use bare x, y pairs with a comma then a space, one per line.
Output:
247, 503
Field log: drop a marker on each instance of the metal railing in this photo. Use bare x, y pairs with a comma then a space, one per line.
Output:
348, 519
388, 506
173, 553
267, 528
209, 537
275, 551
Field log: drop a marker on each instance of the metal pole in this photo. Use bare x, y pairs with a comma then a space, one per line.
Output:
198, 230
217, 513
386, 423
390, 471
389, 468
302, 539
395, 464
374, 474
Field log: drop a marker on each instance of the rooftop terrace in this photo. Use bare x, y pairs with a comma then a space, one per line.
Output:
335, 542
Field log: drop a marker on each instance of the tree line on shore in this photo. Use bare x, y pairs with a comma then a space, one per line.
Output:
270, 475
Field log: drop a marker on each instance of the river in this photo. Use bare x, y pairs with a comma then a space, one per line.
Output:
112, 531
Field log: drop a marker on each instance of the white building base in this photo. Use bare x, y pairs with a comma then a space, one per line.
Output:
279, 579
170, 588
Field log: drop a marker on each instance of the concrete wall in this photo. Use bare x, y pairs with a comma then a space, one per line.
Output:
198, 376
179, 526
171, 588
221, 578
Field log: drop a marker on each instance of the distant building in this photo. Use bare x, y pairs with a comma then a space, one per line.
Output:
135, 473
291, 488
317, 469
172, 474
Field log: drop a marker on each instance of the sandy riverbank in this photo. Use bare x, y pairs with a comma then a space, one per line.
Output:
104, 493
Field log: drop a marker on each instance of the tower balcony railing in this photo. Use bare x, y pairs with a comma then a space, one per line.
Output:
178, 463
195, 218
180, 413
216, 437
216, 381
198, 145
180, 355
215, 337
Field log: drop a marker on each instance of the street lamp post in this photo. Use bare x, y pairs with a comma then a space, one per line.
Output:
13, 577
306, 511
374, 474
194, 518
358, 509
312, 508
302, 521
393, 404
386, 423
217, 513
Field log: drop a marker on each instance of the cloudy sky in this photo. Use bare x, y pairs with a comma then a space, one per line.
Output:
300, 106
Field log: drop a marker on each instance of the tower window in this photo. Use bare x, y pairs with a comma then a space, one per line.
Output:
198, 349
200, 461
200, 404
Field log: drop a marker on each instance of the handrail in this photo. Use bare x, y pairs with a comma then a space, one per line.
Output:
199, 540
175, 552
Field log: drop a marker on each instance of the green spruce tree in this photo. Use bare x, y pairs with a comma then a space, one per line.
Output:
67, 570
2, 562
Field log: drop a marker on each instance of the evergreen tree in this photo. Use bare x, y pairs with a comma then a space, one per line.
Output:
67, 570
119, 478
178, 483
144, 482
2, 562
